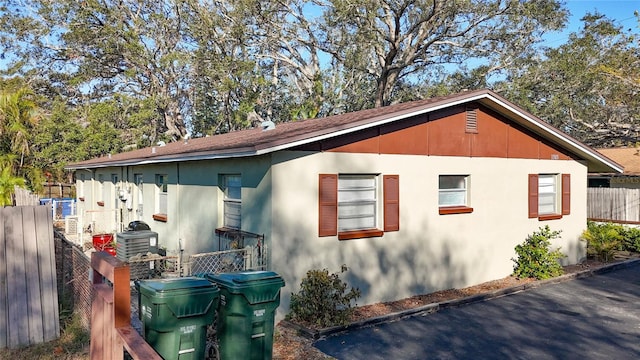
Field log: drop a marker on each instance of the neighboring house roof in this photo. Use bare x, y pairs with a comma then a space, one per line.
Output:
629, 158
288, 135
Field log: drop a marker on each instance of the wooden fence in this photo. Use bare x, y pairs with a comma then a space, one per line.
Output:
111, 330
28, 295
24, 197
620, 205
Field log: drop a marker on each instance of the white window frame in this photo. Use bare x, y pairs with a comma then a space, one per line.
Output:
232, 201
138, 180
453, 190
548, 194
101, 188
114, 189
358, 202
81, 186
162, 189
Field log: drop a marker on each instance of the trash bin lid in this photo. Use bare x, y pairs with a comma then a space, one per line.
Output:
255, 286
250, 276
176, 284
138, 225
239, 279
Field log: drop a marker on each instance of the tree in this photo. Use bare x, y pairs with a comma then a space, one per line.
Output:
588, 87
91, 50
395, 40
8, 181
18, 118
256, 60
153, 70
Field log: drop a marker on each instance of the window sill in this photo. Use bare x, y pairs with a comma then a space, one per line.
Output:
100, 203
359, 234
160, 217
550, 217
447, 210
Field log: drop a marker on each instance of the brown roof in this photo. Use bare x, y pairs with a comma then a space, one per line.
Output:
627, 157
287, 135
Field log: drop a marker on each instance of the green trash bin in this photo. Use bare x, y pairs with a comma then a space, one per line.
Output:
248, 301
175, 314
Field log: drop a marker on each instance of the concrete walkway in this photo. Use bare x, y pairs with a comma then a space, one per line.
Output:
595, 317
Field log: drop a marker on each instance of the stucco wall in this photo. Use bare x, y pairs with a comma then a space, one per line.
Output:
194, 200
431, 251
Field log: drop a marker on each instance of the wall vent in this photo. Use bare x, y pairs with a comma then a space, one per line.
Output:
472, 120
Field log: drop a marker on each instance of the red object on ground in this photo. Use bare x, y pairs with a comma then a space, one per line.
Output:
104, 242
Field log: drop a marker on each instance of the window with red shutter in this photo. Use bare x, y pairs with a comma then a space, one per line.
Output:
349, 205
549, 200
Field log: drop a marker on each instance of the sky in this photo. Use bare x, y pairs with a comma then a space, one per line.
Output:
621, 11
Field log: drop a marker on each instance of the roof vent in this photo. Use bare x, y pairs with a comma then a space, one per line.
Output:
267, 125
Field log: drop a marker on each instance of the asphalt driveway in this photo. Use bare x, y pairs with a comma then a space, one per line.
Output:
596, 317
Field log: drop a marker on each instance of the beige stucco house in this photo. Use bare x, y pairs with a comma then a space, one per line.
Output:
413, 197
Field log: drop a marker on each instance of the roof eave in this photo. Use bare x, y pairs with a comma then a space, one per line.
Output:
596, 162
201, 155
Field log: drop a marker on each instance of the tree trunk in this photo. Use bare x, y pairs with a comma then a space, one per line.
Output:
385, 84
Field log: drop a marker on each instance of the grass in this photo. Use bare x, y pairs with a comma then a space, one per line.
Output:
73, 343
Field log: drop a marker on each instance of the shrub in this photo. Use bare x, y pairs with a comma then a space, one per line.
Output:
323, 299
603, 239
631, 240
535, 259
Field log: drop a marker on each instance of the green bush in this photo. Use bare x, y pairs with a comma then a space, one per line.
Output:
323, 299
535, 259
603, 239
631, 240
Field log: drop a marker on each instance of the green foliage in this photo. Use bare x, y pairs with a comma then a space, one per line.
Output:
631, 240
535, 258
603, 239
18, 117
590, 77
323, 299
451, 32
7, 181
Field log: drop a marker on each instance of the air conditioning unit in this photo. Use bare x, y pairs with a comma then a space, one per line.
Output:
137, 244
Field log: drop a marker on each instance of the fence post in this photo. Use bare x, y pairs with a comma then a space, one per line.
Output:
248, 256
111, 329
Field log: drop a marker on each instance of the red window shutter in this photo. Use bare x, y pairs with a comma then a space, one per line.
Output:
328, 201
566, 194
533, 195
391, 202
